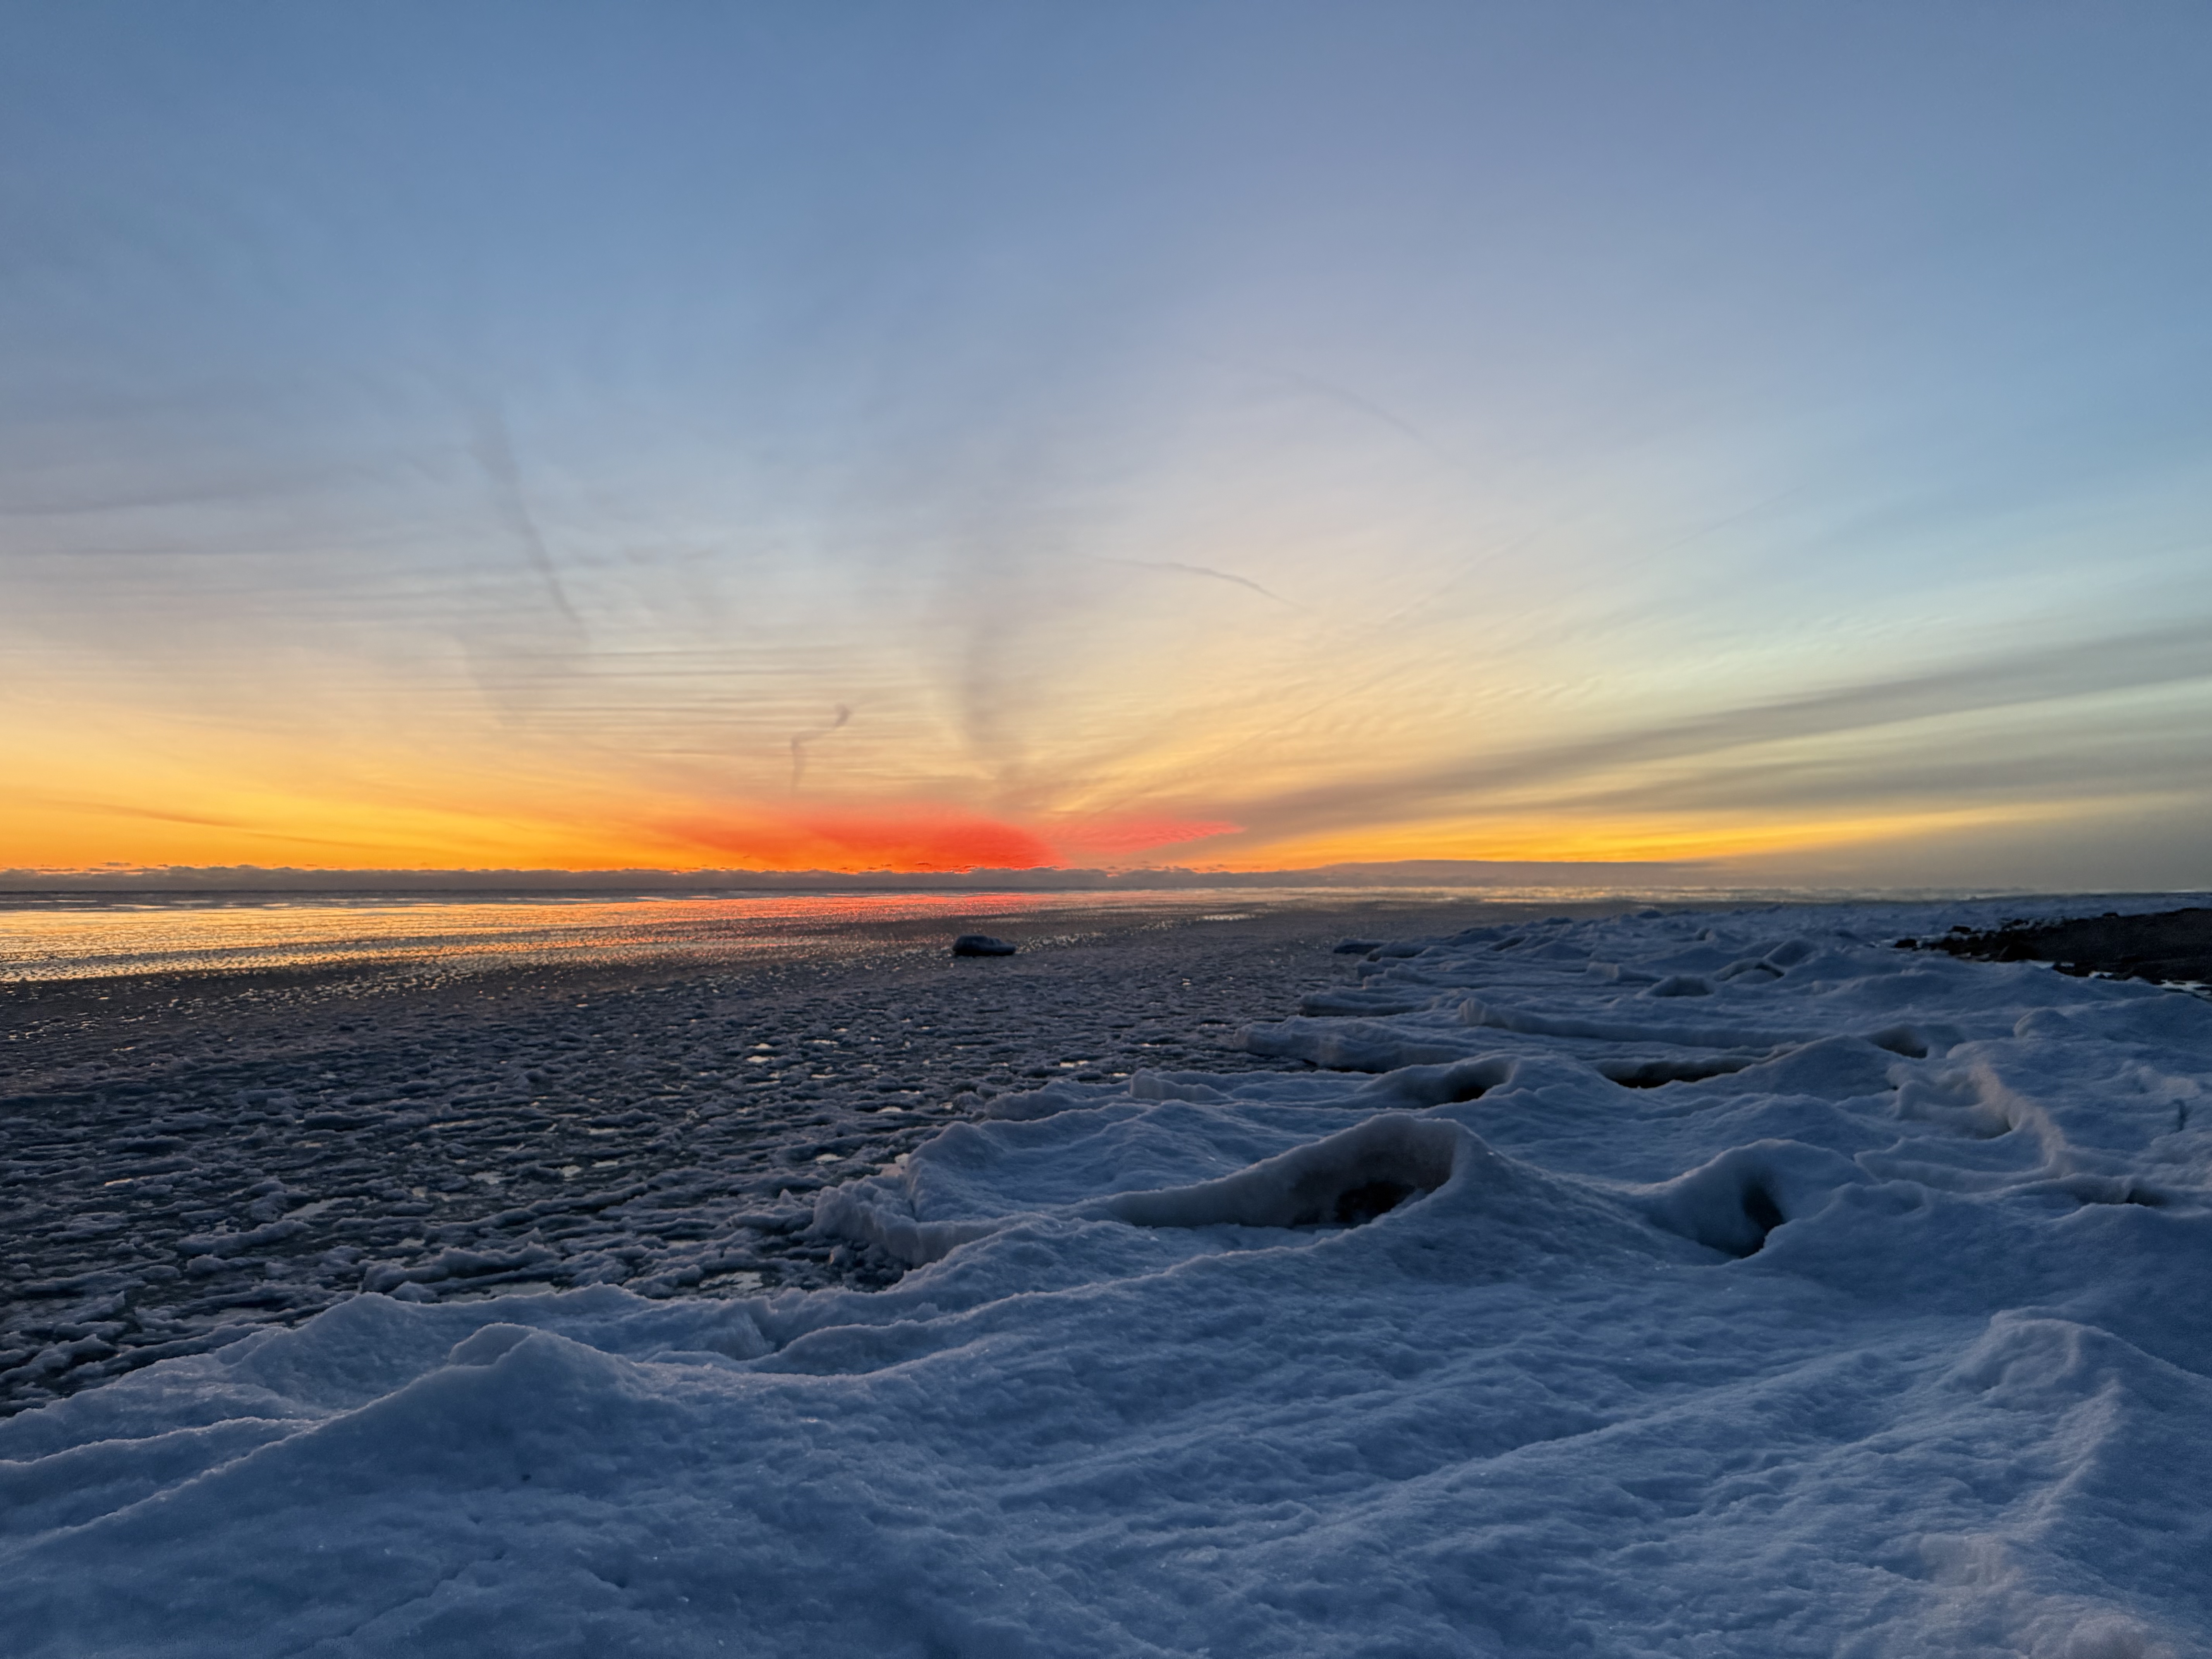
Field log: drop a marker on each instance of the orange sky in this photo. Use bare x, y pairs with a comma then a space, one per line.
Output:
1481, 438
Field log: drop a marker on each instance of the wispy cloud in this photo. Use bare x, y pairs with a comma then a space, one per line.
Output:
493, 448
799, 740
2145, 659
1179, 568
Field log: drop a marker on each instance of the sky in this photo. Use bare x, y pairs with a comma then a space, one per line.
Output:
1242, 435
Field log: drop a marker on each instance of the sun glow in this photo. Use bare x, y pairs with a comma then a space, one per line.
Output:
1701, 841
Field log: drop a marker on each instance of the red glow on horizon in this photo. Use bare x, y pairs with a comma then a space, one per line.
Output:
1110, 836
913, 842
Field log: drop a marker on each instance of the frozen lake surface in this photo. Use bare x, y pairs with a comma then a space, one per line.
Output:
1728, 1283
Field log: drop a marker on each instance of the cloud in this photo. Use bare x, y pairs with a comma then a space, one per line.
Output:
493, 450
1330, 392
1177, 565
911, 836
1119, 835
2134, 661
799, 741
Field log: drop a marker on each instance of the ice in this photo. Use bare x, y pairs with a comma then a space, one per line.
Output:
1872, 1327
663, 1125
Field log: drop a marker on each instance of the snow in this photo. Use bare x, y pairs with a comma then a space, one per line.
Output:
1725, 1284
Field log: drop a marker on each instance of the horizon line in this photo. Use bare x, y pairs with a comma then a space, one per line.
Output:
1423, 872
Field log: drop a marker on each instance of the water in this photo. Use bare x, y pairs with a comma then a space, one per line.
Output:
71, 937
78, 936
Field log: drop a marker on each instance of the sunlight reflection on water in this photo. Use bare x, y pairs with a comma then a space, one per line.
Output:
55, 938
60, 936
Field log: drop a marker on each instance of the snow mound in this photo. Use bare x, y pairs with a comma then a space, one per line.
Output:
1735, 1202
1352, 1177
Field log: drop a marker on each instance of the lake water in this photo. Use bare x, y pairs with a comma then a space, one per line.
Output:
74, 936
66, 936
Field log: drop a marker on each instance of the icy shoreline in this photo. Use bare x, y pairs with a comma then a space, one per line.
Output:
1719, 1284
186, 1158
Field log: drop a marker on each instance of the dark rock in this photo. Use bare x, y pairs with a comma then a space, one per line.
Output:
981, 945
2170, 945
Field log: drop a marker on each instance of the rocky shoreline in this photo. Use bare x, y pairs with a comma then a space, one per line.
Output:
2172, 947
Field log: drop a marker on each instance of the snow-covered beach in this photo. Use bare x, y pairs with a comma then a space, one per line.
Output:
1718, 1284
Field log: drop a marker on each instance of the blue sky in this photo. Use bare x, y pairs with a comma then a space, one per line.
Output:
1189, 434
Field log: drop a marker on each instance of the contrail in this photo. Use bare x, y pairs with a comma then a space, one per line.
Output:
1199, 570
799, 744
1369, 407
494, 451
1350, 399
